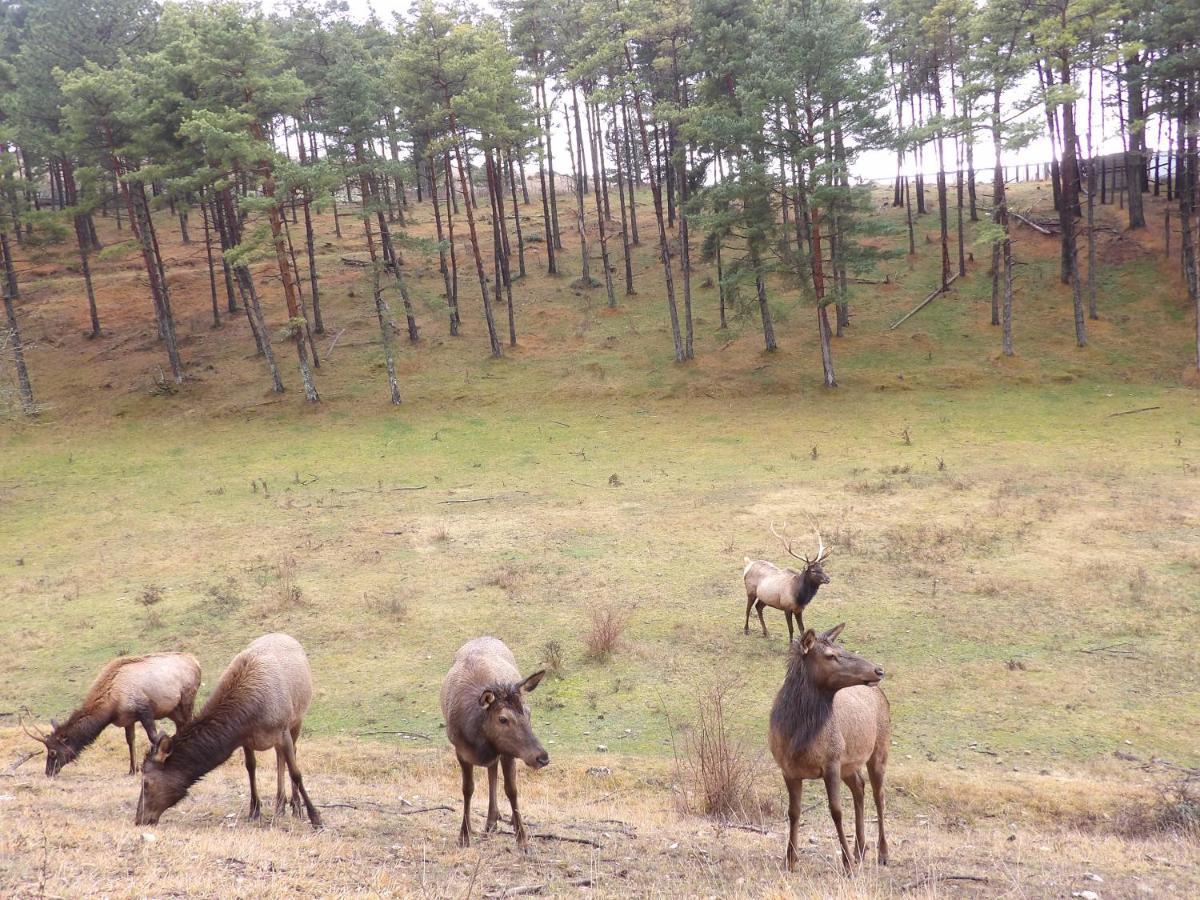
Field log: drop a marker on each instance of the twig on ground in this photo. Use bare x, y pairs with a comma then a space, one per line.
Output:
1130, 412
337, 337
413, 735
20, 761
931, 878
425, 809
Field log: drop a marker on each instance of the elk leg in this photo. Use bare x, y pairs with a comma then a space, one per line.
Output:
280, 790
289, 754
146, 717
510, 790
130, 737
794, 787
493, 815
255, 805
749, 606
468, 788
791, 634
758, 607
855, 783
297, 806
833, 789
875, 768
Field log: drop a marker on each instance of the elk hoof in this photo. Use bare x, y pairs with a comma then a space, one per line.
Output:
492, 825
464, 839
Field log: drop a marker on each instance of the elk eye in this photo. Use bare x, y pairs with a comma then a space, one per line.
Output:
504, 720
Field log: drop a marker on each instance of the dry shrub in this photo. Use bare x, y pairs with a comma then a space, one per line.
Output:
1176, 810
605, 632
553, 657
151, 595
287, 592
505, 577
719, 767
440, 533
394, 607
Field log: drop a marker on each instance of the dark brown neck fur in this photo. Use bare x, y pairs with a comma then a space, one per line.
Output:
211, 737
801, 709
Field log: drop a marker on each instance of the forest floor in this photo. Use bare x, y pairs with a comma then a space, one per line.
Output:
1016, 540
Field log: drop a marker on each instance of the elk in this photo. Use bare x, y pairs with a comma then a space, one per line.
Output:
830, 718
258, 704
788, 590
129, 690
487, 721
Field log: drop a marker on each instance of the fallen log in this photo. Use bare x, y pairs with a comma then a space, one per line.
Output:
920, 306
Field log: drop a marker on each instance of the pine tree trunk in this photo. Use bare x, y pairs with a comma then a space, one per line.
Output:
1066, 215
579, 170
912, 240
83, 241
442, 266
549, 241
597, 188
24, 388
500, 253
464, 184
310, 244
664, 247
212, 269
617, 154
512, 182
454, 308
764, 308
1135, 160
685, 256
553, 235
631, 172
382, 313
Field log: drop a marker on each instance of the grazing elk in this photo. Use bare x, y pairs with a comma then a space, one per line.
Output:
258, 704
788, 590
487, 721
129, 690
830, 718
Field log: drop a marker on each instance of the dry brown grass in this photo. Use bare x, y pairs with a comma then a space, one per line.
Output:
720, 768
618, 828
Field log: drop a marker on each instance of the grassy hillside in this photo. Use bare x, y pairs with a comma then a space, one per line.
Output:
1016, 550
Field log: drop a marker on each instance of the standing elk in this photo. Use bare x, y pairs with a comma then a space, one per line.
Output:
129, 690
258, 704
487, 721
788, 590
830, 718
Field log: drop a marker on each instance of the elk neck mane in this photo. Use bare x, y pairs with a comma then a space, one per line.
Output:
94, 714
211, 737
801, 710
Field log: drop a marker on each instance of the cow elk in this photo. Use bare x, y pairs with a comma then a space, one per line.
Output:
129, 690
258, 704
788, 590
830, 718
487, 721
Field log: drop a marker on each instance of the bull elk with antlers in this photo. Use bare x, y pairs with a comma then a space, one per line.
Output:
129, 690
788, 590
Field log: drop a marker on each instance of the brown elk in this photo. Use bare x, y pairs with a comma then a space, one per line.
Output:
487, 721
129, 690
788, 590
830, 718
258, 704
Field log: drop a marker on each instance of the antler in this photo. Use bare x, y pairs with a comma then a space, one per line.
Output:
787, 544
21, 722
822, 553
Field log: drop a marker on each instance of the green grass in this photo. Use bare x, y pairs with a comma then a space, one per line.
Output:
1021, 526
1022, 548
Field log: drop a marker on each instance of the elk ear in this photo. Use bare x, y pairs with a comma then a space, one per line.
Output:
162, 748
532, 681
832, 634
486, 699
53, 725
808, 640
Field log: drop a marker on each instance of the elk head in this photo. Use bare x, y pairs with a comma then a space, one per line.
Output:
161, 787
506, 723
831, 667
58, 751
814, 571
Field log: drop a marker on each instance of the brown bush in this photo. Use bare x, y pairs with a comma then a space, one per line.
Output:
605, 632
719, 768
